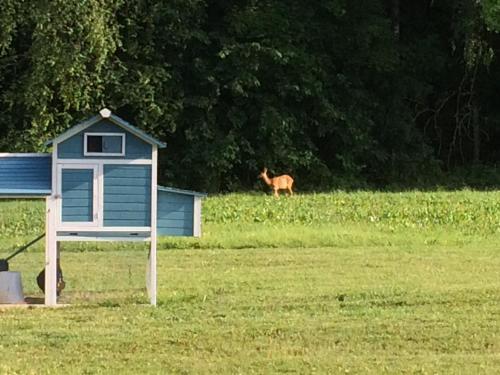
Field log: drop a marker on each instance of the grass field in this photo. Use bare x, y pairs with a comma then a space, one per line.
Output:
328, 283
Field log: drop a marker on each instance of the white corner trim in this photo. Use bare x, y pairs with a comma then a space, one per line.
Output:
154, 189
197, 217
55, 182
154, 206
123, 142
100, 189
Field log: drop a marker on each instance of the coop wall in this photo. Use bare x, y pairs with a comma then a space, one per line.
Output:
175, 214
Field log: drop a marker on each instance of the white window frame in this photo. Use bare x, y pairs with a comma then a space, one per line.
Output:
62, 225
87, 153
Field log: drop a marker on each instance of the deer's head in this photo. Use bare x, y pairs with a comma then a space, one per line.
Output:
263, 174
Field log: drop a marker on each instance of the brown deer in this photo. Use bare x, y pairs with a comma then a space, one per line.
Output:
283, 182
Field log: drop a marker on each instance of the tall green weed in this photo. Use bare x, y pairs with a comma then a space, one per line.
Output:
467, 211
307, 220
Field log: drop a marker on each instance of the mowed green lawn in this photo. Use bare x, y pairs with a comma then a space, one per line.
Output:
379, 295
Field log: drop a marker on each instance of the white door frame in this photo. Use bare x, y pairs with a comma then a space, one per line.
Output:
95, 196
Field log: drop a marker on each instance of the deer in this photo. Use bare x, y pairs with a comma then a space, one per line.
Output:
283, 182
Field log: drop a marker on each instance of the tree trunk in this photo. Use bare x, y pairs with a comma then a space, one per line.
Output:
476, 135
395, 5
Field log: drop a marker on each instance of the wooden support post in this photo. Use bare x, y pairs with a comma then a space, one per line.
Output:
152, 250
152, 272
50, 253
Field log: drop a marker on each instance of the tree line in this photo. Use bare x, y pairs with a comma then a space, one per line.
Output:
337, 93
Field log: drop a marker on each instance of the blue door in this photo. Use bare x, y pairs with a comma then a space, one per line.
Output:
78, 194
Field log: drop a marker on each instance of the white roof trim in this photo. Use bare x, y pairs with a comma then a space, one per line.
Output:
23, 154
105, 114
181, 191
74, 130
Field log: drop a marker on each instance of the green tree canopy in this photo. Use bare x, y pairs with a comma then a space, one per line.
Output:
335, 92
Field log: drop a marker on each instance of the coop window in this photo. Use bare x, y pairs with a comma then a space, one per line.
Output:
104, 144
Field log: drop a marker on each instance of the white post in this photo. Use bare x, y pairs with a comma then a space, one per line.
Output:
197, 217
152, 251
152, 272
50, 253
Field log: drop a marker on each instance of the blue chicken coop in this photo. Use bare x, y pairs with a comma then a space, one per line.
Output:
100, 184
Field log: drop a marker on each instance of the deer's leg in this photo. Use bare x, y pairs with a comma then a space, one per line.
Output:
276, 193
290, 190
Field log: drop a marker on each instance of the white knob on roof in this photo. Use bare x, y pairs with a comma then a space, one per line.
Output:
105, 113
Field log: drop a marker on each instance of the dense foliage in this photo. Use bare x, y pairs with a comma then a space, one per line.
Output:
336, 92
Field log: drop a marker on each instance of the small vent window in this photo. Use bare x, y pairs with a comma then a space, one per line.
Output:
104, 144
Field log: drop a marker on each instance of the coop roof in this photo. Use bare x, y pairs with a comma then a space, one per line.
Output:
25, 175
106, 114
181, 191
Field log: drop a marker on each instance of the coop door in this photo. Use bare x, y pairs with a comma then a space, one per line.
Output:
78, 195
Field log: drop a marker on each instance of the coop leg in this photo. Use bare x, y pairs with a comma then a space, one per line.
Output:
50, 254
152, 271
152, 251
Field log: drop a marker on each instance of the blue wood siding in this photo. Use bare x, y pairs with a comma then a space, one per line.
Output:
135, 148
127, 195
175, 214
26, 175
77, 195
